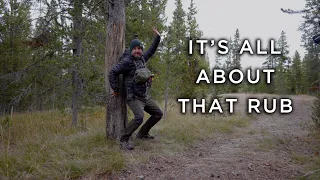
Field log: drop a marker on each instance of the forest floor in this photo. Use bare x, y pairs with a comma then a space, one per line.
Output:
273, 146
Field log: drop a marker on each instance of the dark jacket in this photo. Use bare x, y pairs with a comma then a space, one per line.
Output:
127, 68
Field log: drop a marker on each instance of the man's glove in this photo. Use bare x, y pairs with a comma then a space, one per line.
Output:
149, 83
115, 94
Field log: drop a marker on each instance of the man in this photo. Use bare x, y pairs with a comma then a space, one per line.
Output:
137, 97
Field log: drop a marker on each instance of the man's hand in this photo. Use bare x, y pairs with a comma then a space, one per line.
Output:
156, 31
115, 94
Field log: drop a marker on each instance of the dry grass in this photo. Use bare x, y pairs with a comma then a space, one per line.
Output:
313, 168
270, 143
41, 145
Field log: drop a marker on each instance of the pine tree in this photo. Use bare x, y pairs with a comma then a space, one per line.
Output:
296, 73
196, 61
175, 56
236, 60
141, 16
228, 65
217, 62
282, 60
229, 55
270, 62
15, 82
310, 27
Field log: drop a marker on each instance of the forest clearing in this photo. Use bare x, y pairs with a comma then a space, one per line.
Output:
187, 146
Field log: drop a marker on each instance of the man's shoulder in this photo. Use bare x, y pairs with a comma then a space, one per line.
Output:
126, 57
126, 60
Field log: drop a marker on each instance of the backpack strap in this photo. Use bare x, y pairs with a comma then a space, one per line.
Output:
135, 64
143, 63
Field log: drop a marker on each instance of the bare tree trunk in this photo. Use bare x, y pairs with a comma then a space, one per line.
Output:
116, 117
77, 52
75, 97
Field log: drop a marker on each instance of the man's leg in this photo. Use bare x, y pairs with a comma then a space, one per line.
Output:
156, 114
136, 107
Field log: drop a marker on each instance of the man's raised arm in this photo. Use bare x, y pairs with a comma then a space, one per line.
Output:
153, 46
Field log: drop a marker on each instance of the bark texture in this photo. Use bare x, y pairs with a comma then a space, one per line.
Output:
116, 115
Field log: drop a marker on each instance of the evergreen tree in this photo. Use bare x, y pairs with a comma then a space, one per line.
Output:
270, 62
310, 27
229, 55
16, 84
228, 65
296, 73
236, 60
141, 16
196, 61
175, 49
217, 62
282, 60
174, 54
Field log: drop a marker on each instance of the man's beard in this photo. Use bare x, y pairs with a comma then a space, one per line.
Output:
137, 55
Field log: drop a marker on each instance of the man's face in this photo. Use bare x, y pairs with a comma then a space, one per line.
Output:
137, 52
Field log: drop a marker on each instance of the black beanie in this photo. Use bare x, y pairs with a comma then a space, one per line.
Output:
134, 43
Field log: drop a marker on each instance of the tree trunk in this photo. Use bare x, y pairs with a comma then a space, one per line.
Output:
77, 52
116, 117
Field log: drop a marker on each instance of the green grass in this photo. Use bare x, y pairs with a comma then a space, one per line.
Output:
42, 145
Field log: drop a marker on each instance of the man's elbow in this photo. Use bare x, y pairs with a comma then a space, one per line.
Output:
112, 75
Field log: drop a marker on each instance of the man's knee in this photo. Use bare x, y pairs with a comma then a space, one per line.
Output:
138, 118
158, 114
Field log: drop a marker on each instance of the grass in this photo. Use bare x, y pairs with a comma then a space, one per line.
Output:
266, 144
188, 128
313, 162
300, 159
42, 145
270, 143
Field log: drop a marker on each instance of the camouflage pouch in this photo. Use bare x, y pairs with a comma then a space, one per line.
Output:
141, 75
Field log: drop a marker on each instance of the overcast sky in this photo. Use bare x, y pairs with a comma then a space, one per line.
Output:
255, 19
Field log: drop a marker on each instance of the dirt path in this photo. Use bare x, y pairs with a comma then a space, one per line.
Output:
263, 150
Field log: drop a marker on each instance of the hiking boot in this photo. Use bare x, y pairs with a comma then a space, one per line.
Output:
126, 145
147, 136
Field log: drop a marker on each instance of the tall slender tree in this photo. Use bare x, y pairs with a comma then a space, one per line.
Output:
175, 42
116, 118
282, 59
296, 73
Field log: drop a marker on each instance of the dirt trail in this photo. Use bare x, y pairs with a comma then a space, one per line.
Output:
263, 150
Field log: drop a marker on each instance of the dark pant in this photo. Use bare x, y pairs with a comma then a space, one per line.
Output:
138, 106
